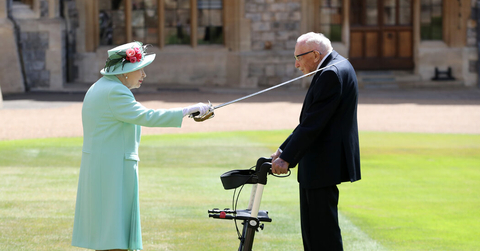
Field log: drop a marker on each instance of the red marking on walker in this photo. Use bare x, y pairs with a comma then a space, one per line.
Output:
223, 214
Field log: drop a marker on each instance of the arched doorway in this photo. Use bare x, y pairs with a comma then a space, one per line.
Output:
381, 34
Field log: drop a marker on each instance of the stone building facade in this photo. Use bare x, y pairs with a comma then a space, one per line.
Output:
62, 44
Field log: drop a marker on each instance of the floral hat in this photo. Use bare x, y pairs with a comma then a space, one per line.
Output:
127, 58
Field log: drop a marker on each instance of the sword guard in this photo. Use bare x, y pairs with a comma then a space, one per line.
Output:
207, 115
210, 114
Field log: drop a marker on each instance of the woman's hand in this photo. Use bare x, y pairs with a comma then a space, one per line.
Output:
200, 108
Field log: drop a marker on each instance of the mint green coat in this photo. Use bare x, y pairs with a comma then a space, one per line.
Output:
107, 212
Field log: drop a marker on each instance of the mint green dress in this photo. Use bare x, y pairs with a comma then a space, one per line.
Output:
107, 212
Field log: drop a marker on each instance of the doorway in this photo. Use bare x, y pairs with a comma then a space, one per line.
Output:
381, 35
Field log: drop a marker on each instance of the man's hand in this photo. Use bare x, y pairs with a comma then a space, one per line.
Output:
279, 166
276, 154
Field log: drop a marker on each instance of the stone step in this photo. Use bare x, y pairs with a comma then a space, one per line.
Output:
399, 79
386, 76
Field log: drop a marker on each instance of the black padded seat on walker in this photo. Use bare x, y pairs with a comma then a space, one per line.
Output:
235, 178
245, 215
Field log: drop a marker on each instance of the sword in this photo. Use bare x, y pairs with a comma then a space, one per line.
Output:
210, 113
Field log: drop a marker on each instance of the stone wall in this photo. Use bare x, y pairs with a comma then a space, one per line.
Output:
11, 77
275, 27
41, 44
265, 33
275, 24
34, 46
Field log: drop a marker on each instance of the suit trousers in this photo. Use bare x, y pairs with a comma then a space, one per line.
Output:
319, 219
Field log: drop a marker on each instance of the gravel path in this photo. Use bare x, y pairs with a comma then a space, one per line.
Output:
42, 115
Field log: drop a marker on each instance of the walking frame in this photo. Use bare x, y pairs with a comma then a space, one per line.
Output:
252, 216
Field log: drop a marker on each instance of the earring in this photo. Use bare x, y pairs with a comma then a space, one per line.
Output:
126, 77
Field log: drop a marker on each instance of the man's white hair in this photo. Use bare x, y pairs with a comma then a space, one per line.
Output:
316, 41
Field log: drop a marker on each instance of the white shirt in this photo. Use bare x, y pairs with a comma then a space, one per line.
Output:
321, 62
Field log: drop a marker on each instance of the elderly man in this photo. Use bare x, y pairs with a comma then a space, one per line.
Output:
325, 142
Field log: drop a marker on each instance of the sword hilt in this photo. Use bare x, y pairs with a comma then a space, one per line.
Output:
207, 115
196, 115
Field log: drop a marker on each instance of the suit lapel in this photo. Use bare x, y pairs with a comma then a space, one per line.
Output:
326, 62
330, 58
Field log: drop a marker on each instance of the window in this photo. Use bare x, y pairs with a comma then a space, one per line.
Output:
371, 12
112, 22
381, 13
161, 22
363, 13
405, 12
145, 21
210, 28
397, 12
177, 21
431, 20
331, 19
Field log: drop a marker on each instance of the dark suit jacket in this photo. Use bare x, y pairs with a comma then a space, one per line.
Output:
325, 143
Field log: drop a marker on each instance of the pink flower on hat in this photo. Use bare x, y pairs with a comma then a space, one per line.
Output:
130, 52
133, 55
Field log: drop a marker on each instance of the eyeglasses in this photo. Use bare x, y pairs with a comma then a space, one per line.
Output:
296, 56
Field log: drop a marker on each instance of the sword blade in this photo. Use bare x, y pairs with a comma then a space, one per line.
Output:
276, 86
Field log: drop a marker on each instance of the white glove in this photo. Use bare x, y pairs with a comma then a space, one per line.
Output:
200, 107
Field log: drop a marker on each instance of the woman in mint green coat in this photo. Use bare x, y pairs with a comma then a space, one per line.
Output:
107, 213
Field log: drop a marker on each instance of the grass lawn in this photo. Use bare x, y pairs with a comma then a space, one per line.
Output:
418, 192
